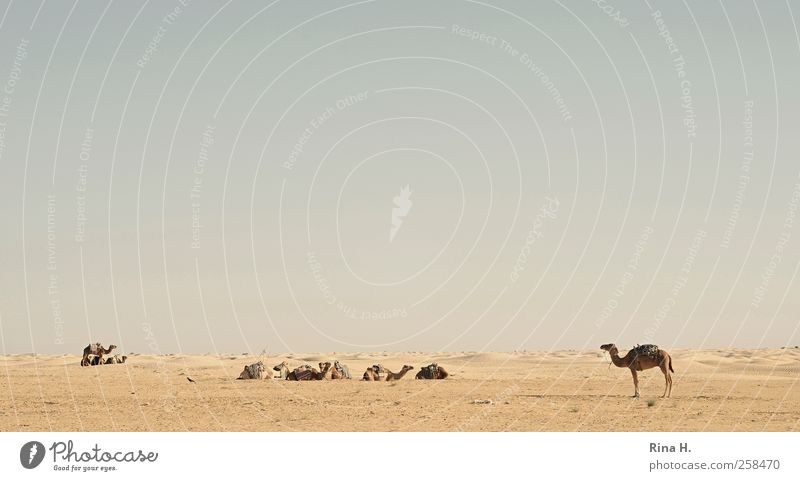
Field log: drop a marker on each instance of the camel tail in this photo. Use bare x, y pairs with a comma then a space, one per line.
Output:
670, 365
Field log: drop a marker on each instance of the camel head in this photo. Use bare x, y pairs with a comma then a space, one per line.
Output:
407, 368
111, 347
124, 358
324, 366
609, 347
280, 366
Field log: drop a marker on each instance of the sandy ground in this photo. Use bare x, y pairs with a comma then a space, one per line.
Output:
714, 390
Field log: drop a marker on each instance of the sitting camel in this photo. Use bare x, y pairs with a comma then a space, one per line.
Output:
116, 359
253, 371
340, 371
329, 373
283, 370
434, 371
299, 372
380, 373
95, 349
308, 373
640, 358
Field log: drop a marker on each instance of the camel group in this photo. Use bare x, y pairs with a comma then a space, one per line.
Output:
337, 370
327, 370
300, 373
640, 358
93, 355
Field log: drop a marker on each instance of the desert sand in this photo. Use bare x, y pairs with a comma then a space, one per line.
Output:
714, 390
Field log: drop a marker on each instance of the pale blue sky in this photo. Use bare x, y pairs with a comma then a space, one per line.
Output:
571, 107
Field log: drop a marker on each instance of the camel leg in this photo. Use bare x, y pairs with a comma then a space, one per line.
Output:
669, 381
635, 382
669, 378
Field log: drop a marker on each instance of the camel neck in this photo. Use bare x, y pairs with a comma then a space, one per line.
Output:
618, 361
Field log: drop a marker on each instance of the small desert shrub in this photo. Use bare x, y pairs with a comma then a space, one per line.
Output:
651, 403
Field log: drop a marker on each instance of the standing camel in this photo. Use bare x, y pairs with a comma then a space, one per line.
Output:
640, 358
95, 349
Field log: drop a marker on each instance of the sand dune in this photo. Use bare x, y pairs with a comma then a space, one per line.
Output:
479, 358
740, 390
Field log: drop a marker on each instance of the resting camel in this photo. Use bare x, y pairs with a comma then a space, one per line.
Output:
304, 370
641, 358
308, 373
283, 369
95, 349
329, 373
340, 371
375, 373
116, 359
434, 371
253, 371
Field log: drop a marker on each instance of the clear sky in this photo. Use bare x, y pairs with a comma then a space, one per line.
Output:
386, 175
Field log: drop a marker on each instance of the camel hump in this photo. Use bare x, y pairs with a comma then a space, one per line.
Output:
343, 369
379, 370
255, 370
302, 371
648, 350
431, 369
